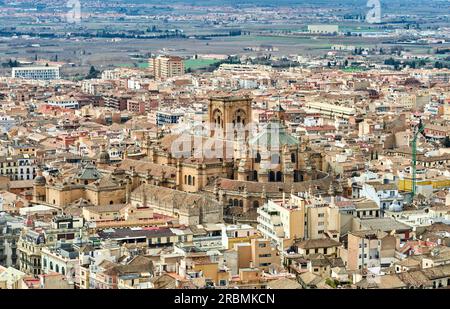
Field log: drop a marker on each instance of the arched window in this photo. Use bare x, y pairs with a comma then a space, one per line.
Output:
63, 271
298, 176
235, 202
255, 204
57, 268
271, 176
258, 158
255, 176
185, 179
51, 265
111, 202
189, 180
279, 176
193, 181
293, 157
241, 203
230, 202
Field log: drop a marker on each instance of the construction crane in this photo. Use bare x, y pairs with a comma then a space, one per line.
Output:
418, 130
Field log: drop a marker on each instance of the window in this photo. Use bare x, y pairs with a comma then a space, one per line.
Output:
279, 176
265, 255
258, 158
321, 215
271, 176
275, 158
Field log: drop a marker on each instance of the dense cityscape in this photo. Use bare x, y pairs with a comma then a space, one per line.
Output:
222, 145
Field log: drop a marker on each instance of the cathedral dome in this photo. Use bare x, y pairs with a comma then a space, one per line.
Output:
40, 181
274, 135
104, 157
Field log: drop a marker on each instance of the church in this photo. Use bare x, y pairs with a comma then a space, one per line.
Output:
250, 165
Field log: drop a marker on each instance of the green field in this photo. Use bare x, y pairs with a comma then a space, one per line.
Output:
195, 64
353, 69
192, 64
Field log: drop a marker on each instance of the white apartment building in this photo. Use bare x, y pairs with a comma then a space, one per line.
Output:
282, 221
64, 102
20, 167
62, 259
36, 73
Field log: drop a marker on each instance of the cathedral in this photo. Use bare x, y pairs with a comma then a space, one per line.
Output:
265, 162
249, 164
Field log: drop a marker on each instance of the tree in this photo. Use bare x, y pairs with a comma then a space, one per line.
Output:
446, 142
93, 73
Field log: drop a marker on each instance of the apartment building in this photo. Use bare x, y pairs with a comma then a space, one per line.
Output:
300, 217
117, 102
9, 234
62, 259
33, 240
369, 249
168, 117
36, 73
64, 102
166, 66
282, 221
18, 167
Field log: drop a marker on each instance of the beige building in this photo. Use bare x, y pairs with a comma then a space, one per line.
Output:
368, 249
299, 217
282, 221
166, 66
